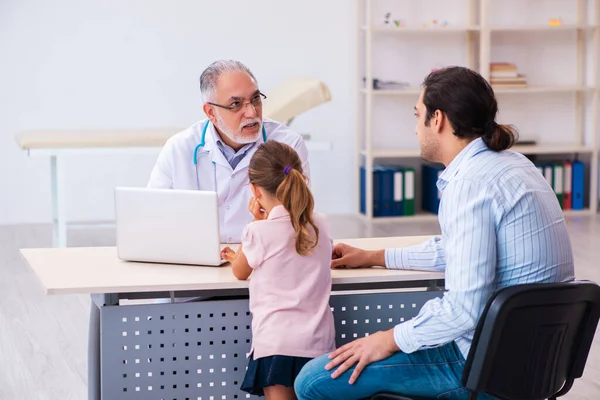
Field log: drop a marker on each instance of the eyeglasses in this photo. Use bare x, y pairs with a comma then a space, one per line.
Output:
239, 105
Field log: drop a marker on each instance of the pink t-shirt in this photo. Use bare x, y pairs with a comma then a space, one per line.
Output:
289, 293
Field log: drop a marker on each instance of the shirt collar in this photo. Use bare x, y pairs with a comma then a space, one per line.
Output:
475, 147
278, 212
226, 148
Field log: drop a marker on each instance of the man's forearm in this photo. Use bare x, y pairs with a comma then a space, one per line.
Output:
427, 256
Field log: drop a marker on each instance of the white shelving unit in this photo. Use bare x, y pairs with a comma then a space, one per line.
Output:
474, 35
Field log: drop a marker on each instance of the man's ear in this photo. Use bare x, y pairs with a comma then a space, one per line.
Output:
439, 121
210, 112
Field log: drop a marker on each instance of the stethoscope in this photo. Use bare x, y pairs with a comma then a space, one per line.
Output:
200, 147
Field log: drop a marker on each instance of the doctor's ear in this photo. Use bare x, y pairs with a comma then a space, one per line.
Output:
210, 112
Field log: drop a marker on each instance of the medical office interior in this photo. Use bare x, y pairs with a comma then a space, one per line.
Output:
90, 91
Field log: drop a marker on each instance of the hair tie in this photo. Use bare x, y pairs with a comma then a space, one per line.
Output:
490, 127
287, 169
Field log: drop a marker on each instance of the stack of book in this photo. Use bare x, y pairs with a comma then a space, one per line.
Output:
505, 75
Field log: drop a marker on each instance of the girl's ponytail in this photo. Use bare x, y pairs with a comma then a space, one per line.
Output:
294, 194
276, 168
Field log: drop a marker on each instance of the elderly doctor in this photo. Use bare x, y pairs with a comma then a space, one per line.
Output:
214, 154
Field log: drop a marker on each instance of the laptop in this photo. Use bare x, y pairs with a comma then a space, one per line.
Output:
168, 226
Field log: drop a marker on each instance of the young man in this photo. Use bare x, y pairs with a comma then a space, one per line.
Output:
501, 225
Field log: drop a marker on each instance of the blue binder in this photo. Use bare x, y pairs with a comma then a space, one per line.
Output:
430, 200
363, 201
377, 206
377, 191
578, 185
386, 190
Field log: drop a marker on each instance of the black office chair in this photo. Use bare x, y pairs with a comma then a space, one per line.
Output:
531, 342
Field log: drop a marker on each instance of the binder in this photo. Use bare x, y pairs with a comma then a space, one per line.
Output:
387, 190
548, 175
409, 192
540, 168
439, 193
376, 191
557, 181
577, 185
397, 203
377, 198
363, 190
426, 188
568, 178
430, 194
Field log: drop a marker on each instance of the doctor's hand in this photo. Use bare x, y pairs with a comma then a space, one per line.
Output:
344, 255
228, 254
361, 353
256, 209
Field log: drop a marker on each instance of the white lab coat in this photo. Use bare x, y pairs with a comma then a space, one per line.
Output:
175, 169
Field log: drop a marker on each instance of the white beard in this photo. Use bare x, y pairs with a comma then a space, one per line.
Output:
237, 136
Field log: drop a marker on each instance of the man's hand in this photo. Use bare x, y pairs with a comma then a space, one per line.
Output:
345, 255
228, 254
362, 352
256, 209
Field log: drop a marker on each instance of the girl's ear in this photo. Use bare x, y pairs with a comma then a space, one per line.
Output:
255, 191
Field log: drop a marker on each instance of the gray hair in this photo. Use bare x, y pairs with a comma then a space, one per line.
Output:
209, 77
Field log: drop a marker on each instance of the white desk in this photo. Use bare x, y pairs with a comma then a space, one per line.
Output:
97, 270
57, 145
122, 337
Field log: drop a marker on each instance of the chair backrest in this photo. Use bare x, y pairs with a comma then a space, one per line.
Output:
533, 340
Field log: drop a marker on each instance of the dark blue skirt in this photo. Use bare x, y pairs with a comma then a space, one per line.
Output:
272, 370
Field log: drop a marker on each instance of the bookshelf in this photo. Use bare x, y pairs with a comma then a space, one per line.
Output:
566, 148
430, 30
542, 28
558, 107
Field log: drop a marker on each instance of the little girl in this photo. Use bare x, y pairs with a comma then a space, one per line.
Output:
287, 249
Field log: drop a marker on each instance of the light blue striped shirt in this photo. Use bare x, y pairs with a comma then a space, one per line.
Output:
501, 225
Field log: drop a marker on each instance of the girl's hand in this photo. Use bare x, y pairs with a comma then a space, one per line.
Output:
256, 209
228, 254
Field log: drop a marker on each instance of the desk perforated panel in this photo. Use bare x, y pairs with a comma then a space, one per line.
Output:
197, 350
